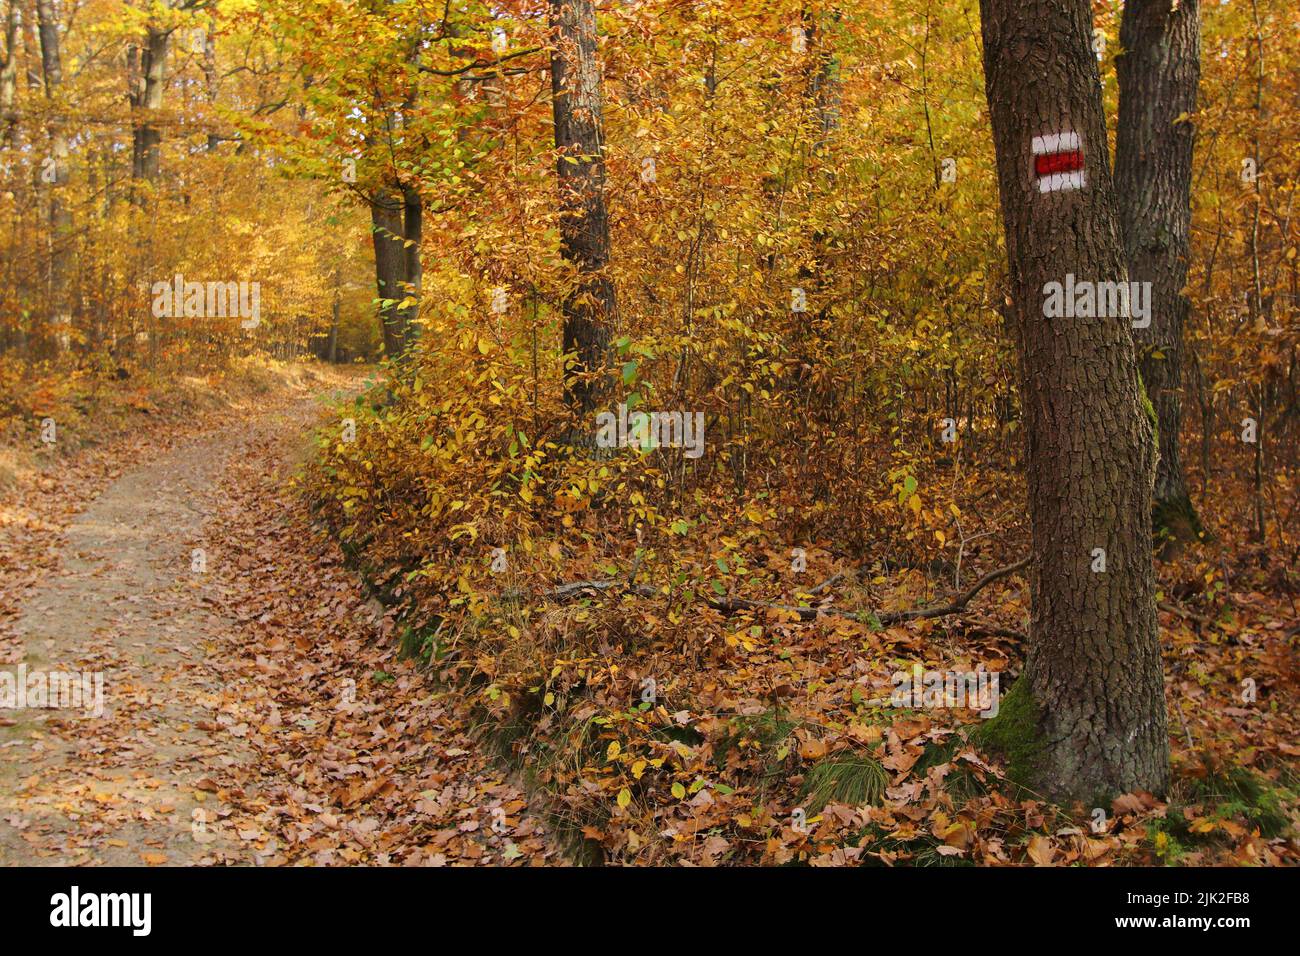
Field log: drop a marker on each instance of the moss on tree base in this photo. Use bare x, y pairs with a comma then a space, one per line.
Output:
1014, 734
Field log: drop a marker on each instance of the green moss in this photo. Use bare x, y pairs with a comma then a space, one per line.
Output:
1014, 733
1150, 409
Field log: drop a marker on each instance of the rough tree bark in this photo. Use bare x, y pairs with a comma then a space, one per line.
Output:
1087, 718
1159, 68
580, 171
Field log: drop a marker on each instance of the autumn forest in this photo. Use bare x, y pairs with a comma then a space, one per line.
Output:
690, 433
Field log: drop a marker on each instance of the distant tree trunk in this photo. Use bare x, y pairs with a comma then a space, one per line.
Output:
210, 80
334, 317
146, 101
827, 86
1158, 73
8, 139
825, 92
32, 46
54, 175
397, 219
1087, 718
9, 76
580, 171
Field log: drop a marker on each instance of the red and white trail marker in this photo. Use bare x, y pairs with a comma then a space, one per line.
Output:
1058, 162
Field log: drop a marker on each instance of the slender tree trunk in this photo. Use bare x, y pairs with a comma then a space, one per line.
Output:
1087, 718
580, 171
826, 86
8, 139
211, 81
1158, 73
32, 45
54, 175
397, 220
334, 317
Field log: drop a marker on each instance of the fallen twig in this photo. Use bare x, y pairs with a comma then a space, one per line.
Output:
1184, 613
734, 605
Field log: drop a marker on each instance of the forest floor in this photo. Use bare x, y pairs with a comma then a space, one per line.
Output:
257, 708
254, 710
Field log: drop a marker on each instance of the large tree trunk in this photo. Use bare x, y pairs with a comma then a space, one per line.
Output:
580, 171
59, 306
1087, 718
1158, 72
390, 268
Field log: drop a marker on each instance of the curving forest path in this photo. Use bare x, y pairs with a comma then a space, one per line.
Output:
254, 709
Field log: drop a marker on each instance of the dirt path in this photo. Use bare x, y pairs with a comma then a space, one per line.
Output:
252, 711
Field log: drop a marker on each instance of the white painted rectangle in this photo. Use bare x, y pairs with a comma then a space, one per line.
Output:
1056, 143
1058, 182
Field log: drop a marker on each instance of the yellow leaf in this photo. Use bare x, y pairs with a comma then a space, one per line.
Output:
624, 797
613, 750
